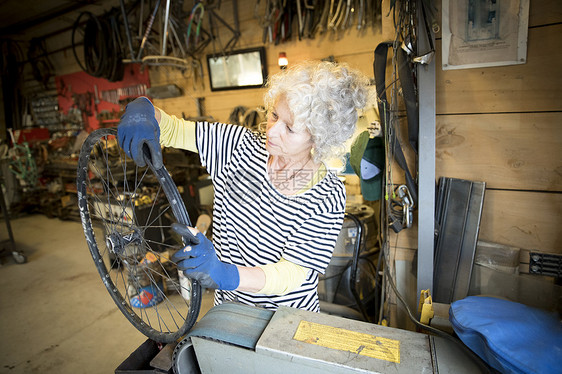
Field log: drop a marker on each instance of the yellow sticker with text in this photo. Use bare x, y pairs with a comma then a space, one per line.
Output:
348, 341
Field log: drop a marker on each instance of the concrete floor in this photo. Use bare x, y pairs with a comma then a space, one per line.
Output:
55, 313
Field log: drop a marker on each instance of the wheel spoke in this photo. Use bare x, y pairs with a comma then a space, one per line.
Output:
133, 254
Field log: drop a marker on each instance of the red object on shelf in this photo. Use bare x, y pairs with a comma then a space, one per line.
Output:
32, 135
85, 92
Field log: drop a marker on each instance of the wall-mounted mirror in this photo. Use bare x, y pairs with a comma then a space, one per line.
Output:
245, 68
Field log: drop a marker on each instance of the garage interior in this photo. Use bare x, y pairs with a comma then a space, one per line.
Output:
471, 210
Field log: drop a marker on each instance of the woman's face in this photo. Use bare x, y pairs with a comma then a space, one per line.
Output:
282, 139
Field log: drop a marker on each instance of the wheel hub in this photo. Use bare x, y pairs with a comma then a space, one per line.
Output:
117, 241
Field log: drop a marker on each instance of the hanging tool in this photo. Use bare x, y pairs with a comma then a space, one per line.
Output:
407, 205
96, 99
148, 29
400, 210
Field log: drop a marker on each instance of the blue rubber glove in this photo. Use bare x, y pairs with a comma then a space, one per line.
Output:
200, 262
138, 127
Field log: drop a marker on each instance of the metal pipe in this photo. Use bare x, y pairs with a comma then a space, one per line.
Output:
127, 31
165, 34
426, 162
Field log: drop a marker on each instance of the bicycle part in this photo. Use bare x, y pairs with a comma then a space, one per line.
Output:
22, 164
133, 255
165, 33
101, 46
148, 29
79, 28
215, 37
127, 31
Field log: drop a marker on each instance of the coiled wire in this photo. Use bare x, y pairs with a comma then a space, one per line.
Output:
102, 53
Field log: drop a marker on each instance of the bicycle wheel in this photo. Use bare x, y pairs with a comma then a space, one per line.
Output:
134, 207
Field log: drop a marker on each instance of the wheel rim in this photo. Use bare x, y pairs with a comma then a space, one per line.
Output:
134, 208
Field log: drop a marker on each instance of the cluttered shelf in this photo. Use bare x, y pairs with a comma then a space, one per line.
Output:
42, 174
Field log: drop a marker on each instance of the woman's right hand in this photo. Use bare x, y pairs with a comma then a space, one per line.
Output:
199, 261
138, 127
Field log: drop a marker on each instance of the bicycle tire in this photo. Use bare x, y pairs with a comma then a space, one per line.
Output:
74, 43
130, 259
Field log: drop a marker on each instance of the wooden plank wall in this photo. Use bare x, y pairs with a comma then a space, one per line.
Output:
502, 125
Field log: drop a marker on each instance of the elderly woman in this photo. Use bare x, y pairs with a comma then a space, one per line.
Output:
278, 210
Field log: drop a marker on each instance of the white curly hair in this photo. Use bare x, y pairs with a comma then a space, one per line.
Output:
324, 98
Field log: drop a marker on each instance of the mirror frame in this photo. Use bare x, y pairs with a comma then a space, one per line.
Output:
263, 67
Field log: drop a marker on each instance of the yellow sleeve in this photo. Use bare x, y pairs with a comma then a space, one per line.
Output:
282, 277
176, 132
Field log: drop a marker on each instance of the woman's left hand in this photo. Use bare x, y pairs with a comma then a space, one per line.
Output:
200, 262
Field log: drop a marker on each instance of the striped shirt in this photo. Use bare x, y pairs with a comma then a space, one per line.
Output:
254, 224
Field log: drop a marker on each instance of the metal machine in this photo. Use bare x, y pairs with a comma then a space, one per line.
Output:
234, 338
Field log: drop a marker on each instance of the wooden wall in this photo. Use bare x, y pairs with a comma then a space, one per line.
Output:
503, 126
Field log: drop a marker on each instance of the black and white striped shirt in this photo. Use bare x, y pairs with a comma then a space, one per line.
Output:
254, 224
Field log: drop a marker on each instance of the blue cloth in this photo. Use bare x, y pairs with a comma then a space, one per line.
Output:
199, 261
138, 127
510, 337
